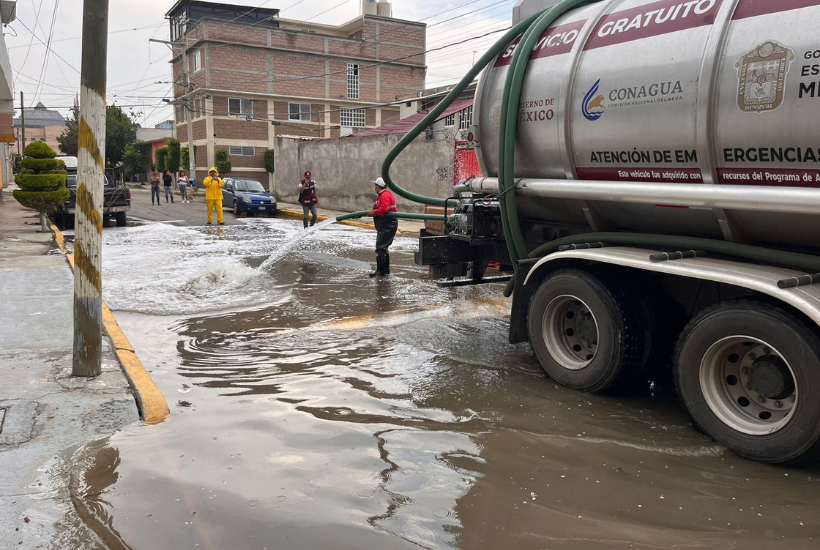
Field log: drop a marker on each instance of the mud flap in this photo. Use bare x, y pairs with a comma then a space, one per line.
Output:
521, 303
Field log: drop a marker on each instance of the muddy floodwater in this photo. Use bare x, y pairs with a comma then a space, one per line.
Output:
315, 408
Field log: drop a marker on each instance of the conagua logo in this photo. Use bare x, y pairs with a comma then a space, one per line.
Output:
762, 77
593, 104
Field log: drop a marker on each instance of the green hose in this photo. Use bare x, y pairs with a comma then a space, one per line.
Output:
400, 215
431, 117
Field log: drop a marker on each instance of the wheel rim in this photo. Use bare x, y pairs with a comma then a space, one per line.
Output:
570, 332
236, 208
749, 385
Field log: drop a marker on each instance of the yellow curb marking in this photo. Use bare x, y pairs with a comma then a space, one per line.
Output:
150, 400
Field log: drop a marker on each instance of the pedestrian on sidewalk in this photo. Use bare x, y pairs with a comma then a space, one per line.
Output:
213, 195
168, 183
183, 186
386, 227
309, 199
154, 181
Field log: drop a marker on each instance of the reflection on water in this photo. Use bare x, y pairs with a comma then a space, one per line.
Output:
351, 413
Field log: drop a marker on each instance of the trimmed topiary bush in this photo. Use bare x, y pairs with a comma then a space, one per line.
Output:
41, 166
223, 165
42, 183
39, 150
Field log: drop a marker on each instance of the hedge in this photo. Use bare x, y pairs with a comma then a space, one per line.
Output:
41, 200
40, 150
38, 166
41, 182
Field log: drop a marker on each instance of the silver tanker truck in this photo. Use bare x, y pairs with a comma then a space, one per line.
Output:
667, 184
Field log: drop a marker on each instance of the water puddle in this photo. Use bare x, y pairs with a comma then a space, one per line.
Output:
313, 407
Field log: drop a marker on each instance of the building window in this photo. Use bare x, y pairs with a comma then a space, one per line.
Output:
240, 107
352, 118
352, 81
450, 120
241, 151
42, 139
466, 119
299, 111
196, 61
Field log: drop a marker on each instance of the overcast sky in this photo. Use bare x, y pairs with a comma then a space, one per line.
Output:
136, 67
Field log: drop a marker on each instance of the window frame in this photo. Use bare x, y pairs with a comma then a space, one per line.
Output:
301, 114
353, 116
450, 121
242, 101
353, 80
242, 150
465, 118
196, 60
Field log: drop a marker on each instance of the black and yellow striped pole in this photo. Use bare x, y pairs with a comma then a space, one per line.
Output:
88, 324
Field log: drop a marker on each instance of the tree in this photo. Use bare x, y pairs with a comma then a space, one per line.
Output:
223, 165
159, 158
70, 138
120, 132
185, 159
172, 156
269, 161
41, 181
137, 158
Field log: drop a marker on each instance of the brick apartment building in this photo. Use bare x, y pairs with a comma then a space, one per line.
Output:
42, 124
255, 75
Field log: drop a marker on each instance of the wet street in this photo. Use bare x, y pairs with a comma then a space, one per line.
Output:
315, 408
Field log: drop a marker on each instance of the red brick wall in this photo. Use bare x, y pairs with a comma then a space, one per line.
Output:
242, 161
240, 129
390, 115
261, 177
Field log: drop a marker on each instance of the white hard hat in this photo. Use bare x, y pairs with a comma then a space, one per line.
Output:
380, 182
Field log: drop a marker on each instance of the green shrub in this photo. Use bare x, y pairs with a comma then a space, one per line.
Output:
41, 201
38, 166
269, 161
223, 165
39, 150
160, 155
41, 182
41, 186
172, 158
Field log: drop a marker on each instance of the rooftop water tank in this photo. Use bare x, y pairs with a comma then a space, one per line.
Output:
369, 7
384, 9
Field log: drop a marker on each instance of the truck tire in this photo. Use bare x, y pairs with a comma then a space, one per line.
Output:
749, 374
122, 219
586, 333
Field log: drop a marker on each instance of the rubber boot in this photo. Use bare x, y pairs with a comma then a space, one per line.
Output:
312, 222
305, 223
387, 263
381, 266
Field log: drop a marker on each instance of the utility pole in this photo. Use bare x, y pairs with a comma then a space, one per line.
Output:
90, 187
186, 78
22, 124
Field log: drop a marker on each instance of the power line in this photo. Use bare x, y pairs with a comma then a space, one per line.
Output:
48, 48
30, 42
110, 33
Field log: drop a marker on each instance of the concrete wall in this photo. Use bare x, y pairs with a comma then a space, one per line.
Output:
345, 168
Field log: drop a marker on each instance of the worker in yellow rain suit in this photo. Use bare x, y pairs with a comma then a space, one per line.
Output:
213, 196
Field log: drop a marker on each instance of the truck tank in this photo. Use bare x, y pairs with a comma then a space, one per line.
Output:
686, 92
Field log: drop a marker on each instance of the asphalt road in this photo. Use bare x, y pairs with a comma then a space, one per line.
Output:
183, 215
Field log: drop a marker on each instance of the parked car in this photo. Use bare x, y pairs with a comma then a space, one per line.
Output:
116, 200
245, 196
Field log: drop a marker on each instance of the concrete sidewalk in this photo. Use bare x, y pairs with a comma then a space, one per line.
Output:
45, 414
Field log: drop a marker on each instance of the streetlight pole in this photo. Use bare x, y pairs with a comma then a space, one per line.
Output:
186, 76
87, 358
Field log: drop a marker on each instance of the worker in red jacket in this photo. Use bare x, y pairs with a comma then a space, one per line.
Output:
386, 227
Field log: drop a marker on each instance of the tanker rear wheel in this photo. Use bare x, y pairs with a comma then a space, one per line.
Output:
586, 332
749, 374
